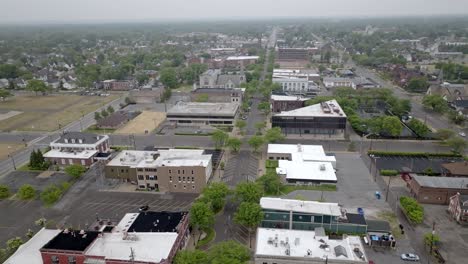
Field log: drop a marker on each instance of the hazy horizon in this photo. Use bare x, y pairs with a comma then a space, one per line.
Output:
115, 11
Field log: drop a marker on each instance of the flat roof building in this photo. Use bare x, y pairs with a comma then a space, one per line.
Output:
326, 119
306, 172
282, 246
173, 170
203, 113
299, 153
281, 103
436, 190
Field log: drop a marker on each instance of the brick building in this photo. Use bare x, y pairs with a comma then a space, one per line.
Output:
281, 103
458, 208
436, 190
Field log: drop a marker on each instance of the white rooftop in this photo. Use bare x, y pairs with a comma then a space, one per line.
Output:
300, 206
295, 148
242, 58
305, 244
29, 253
55, 153
326, 109
171, 157
196, 109
287, 98
310, 171
147, 247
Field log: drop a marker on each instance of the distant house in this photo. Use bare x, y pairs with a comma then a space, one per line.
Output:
450, 92
113, 121
458, 208
116, 85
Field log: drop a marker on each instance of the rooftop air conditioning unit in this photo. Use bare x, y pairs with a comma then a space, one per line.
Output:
322, 167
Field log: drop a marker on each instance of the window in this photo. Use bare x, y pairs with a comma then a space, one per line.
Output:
183, 179
63, 161
183, 171
179, 179
83, 162
54, 259
151, 177
141, 187
147, 177
192, 171
193, 179
170, 178
178, 171
170, 171
193, 186
185, 187
140, 169
140, 177
71, 260
175, 185
121, 170
112, 170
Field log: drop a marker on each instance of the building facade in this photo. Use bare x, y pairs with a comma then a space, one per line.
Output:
324, 119
436, 190
200, 114
217, 95
458, 208
280, 103
77, 148
186, 171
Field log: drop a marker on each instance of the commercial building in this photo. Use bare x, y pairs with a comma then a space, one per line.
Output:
299, 153
456, 169
308, 215
117, 85
296, 81
200, 114
147, 96
306, 172
279, 246
77, 148
149, 238
217, 95
288, 54
240, 61
281, 103
325, 119
436, 190
173, 170
355, 83
458, 208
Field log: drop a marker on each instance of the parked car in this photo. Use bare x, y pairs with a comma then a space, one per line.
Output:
143, 208
409, 257
462, 134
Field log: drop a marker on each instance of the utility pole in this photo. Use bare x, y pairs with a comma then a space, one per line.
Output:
12, 160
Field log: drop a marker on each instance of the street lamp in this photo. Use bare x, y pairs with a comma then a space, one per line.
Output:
12, 158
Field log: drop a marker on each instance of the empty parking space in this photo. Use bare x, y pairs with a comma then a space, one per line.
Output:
414, 164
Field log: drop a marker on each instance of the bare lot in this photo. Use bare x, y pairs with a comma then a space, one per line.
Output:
147, 121
7, 148
45, 113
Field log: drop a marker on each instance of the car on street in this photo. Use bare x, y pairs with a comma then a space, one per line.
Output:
143, 208
244, 118
462, 134
409, 257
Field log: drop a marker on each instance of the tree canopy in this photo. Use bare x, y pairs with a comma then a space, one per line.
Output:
435, 102
234, 144
249, 192
168, 78
256, 142
37, 86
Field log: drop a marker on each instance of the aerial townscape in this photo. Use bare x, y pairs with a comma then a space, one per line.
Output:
233, 132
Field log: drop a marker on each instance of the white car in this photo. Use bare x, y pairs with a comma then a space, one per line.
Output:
410, 257
462, 134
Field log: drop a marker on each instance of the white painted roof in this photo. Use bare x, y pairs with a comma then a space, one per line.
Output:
316, 110
196, 109
29, 253
301, 242
242, 58
311, 171
287, 98
300, 206
171, 157
147, 247
295, 148
55, 153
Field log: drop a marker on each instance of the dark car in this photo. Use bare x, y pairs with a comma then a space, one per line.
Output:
143, 208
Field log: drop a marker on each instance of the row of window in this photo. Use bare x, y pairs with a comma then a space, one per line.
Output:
70, 162
178, 172
183, 179
184, 186
148, 177
55, 260
148, 169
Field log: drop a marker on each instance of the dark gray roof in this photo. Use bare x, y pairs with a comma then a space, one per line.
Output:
340, 251
356, 219
441, 182
217, 90
87, 138
223, 79
378, 226
461, 103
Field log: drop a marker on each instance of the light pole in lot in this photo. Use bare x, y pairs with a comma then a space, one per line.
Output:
10, 155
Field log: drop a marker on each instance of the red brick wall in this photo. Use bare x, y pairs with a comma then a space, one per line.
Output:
63, 257
88, 162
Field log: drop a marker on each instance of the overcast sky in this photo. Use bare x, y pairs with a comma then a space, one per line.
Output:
27, 11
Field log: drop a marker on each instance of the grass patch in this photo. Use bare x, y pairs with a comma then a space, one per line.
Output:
96, 130
323, 187
224, 128
9, 148
391, 218
271, 164
210, 235
26, 167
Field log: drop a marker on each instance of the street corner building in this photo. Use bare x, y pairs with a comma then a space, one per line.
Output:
199, 114
324, 120
78, 148
173, 170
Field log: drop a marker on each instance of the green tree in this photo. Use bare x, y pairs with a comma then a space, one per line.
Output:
50, 194
456, 117
430, 238
401, 107
4, 191
168, 78
249, 215
228, 252
9, 71
4, 94
418, 84
201, 216
13, 244
75, 170
457, 144
219, 137
234, 144
256, 142
444, 134
260, 126
88, 75
271, 183
241, 124
435, 102
110, 109
419, 127
26, 192
274, 135
392, 125
250, 192
104, 113
191, 257
37, 86
215, 194
142, 78
97, 116
264, 107
37, 160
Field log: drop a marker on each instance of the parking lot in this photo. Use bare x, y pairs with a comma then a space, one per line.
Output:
414, 164
16, 179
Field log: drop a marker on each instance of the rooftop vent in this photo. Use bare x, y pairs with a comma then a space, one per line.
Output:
322, 167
